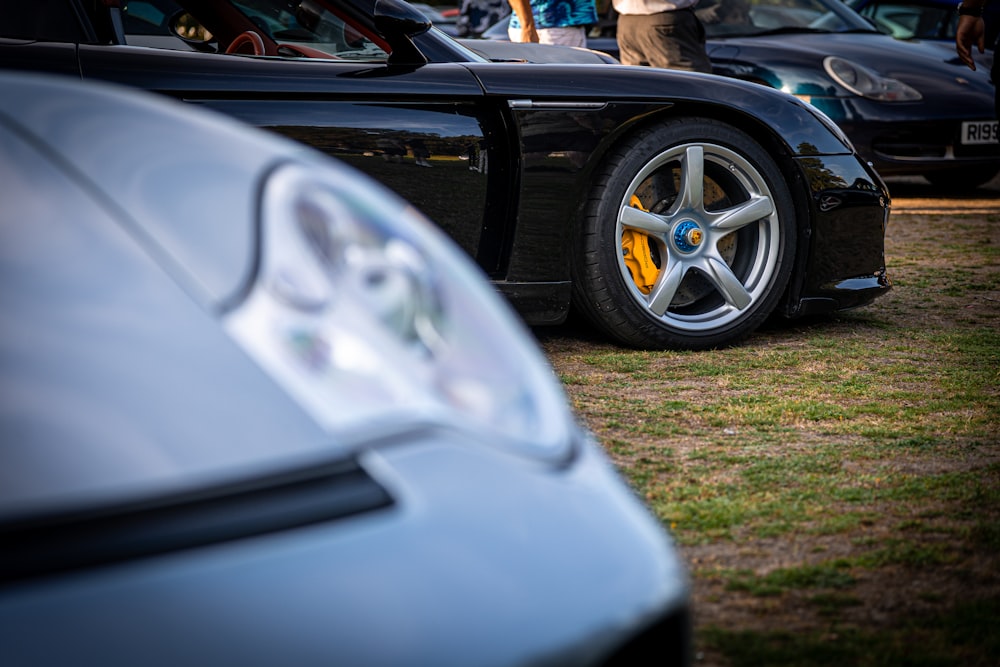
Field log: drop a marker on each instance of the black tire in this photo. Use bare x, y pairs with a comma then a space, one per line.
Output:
723, 242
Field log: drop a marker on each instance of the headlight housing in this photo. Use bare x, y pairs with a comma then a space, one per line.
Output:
371, 318
868, 83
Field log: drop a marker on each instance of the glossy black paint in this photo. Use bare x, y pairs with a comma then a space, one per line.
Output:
514, 149
837, 266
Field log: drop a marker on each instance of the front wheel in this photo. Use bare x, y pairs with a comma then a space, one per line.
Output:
688, 240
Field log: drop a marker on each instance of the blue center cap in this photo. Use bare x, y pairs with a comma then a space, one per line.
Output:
688, 236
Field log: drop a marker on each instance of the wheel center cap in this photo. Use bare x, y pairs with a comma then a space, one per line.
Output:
688, 236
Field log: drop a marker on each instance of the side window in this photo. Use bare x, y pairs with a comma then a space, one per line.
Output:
148, 17
304, 29
163, 24
45, 20
311, 27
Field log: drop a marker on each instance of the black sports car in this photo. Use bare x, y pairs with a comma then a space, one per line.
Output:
675, 210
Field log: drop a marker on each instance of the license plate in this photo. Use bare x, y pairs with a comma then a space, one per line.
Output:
980, 132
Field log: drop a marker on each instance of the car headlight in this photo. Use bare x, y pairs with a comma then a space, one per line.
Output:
865, 82
371, 318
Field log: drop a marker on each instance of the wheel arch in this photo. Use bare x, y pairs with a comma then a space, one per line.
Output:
776, 145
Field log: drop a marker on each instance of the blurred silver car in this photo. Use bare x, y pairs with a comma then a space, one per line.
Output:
256, 410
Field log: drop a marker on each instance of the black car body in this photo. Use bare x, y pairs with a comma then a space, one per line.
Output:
530, 163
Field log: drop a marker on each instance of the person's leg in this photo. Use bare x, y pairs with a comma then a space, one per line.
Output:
631, 31
672, 40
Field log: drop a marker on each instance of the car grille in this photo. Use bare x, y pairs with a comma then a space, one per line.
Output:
43, 545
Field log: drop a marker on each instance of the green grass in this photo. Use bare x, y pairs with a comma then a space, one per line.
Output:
827, 466
965, 636
776, 582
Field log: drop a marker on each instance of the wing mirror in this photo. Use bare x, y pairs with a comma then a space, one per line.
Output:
398, 22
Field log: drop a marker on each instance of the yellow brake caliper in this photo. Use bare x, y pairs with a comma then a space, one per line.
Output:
635, 250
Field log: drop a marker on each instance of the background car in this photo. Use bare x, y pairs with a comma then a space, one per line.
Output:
256, 410
924, 19
444, 18
911, 108
673, 210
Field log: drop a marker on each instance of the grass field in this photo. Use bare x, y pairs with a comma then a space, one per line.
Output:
834, 484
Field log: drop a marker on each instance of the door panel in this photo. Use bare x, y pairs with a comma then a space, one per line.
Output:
51, 57
428, 133
431, 154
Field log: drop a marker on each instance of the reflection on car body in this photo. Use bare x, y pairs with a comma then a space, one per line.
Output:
574, 163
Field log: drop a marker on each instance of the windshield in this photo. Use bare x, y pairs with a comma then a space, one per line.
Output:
910, 20
742, 18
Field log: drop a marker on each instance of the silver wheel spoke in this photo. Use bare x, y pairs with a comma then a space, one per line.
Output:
732, 290
666, 288
742, 215
644, 221
693, 179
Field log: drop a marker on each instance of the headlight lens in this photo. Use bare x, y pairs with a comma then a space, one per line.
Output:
868, 83
370, 317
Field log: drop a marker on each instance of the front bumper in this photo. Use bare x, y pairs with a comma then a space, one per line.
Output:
915, 139
844, 266
898, 149
483, 559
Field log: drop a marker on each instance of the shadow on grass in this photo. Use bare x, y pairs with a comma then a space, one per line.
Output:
966, 636
580, 331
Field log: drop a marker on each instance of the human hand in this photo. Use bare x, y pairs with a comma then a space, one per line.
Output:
970, 31
708, 15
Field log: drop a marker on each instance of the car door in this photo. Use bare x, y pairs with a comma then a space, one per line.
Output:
422, 132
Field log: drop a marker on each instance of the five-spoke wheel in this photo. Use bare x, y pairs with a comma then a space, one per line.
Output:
689, 240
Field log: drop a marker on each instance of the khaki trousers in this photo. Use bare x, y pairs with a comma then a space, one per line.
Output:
673, 40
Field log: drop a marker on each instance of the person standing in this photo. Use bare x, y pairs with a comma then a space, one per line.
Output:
562, 22
661, 33
475, 16
971, 32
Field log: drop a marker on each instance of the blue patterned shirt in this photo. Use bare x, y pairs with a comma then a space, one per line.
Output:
560, 13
